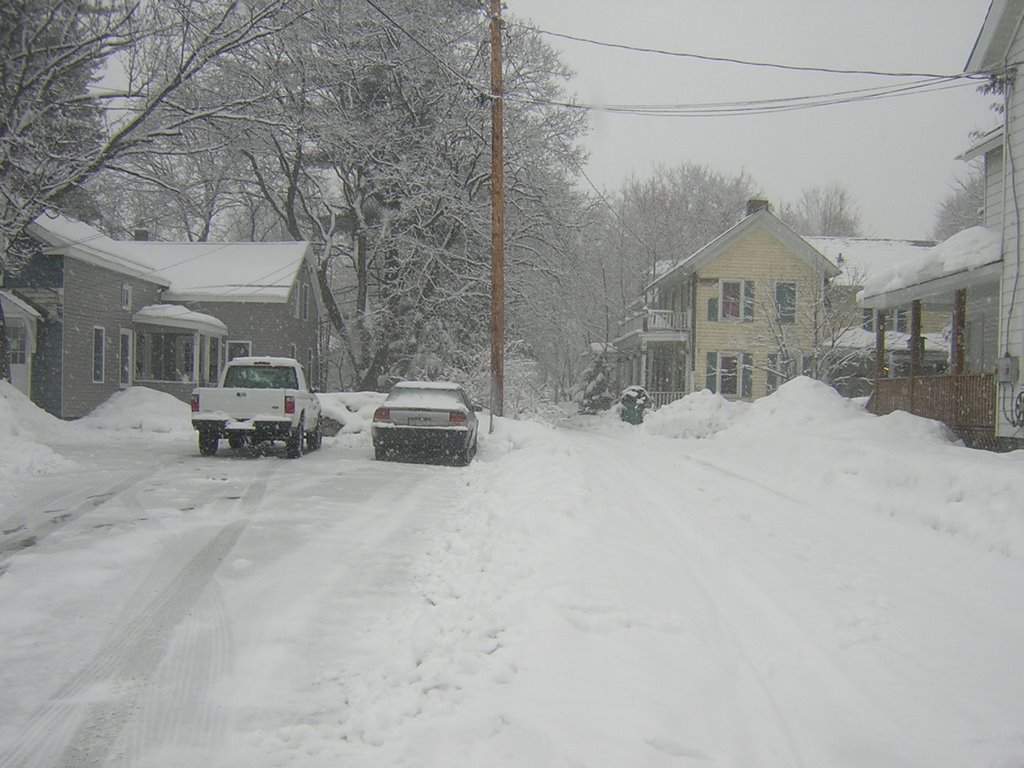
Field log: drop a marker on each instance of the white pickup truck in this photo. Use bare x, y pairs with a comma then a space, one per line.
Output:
259, 399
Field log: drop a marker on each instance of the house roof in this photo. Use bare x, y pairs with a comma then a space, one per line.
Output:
861, 257
984, 144
207, 271
996, 36
970, 257
761, 219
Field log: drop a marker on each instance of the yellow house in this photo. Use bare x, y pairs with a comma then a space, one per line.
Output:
740, 316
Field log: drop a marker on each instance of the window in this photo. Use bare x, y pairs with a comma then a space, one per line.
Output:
731, 292
99, 340
305, 302
309, 365
736, 301
17, 340
869, 320
785, 302
293, 352
213, 372
126, 297
238, 349
164, 356
730, 373
295, 302
126, 357
772, 374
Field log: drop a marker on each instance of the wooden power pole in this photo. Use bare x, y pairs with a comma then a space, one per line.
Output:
497, 221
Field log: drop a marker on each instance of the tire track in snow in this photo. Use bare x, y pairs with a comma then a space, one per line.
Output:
81, 724
750, 685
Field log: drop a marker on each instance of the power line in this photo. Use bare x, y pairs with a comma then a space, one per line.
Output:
745, 62
754, 106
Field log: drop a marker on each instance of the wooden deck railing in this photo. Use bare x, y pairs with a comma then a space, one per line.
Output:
965, 403
652, 320
658, 399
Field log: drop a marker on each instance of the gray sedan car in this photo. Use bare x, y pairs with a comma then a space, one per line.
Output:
435, 418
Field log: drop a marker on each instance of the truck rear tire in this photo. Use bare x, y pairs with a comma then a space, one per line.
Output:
208, 442
293, 445
315, 438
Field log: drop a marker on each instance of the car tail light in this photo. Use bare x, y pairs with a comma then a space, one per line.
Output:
195, 403
457, 417
382, 414
289, 404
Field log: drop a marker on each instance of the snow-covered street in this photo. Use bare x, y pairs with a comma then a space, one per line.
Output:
789, 583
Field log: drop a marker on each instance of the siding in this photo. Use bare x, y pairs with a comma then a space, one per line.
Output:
92, 297
759, 257
271, 327
1011, 312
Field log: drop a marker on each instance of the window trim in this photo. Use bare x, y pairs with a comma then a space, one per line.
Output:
99, 364
19, 324
126, 297
127, 367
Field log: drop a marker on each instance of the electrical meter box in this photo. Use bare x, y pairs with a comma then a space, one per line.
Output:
1007, 369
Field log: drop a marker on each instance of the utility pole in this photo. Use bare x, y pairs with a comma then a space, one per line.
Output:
497, 222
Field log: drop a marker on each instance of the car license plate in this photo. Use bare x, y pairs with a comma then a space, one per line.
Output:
419, 420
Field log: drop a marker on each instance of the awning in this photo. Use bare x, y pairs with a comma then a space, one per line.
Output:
177, 316
969, 258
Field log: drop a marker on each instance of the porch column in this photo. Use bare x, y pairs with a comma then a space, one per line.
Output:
879, 345
643, 365
196, 357
916, 342
879, 316
958, 354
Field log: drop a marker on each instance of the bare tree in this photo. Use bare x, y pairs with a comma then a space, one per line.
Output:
964, 206
828, 210
86, 82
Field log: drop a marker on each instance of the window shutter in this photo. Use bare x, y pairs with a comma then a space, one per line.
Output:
747, 376
748, 299
713, 309
711, 380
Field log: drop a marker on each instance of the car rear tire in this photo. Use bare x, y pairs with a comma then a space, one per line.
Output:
379, 453
208, 442
293, 449
236, 441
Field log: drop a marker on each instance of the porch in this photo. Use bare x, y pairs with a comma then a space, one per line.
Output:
652, 347
966, 403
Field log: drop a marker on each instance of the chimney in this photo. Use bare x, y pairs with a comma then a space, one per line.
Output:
753, 206
141, 234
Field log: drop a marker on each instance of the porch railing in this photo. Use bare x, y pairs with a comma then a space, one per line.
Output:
965, 403
652, 320
658, 399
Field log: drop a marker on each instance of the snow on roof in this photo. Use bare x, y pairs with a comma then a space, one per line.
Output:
208, 271
444, 385
178, 316
862, 257
963, 252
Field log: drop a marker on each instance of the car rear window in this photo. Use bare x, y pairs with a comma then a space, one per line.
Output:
411, 397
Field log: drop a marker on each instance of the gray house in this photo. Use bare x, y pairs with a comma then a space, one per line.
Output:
108, 314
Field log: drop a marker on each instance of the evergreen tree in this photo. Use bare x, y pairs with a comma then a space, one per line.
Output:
596, 393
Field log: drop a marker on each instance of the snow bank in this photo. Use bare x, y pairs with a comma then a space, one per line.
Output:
141, 409
352, 410
697, 415
24, 430
810, 443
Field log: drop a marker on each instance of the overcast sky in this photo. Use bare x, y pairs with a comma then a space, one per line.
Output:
896, 156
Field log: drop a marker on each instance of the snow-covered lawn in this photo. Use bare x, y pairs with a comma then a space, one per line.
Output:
793, 582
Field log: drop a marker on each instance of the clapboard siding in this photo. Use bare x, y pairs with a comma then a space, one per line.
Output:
92, 297
759, 257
